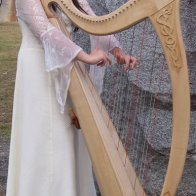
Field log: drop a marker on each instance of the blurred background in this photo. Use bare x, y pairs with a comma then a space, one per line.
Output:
10, 38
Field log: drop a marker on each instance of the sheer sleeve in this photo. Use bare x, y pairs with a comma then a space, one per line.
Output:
59, 50
106, 43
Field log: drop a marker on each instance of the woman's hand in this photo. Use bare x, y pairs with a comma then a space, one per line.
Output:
96, 57
129, 61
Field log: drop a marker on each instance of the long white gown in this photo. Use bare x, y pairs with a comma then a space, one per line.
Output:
47, 155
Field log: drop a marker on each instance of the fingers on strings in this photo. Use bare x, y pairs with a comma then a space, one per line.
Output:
128, 61
105, 61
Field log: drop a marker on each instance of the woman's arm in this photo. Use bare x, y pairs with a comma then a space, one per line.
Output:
109, 43
97, 56
59, 50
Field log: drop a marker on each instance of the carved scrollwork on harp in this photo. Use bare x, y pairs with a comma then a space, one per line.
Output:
165, 20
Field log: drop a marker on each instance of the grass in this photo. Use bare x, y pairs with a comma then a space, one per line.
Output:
10, 39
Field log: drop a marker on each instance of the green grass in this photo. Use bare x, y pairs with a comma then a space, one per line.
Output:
5, 132
10, 39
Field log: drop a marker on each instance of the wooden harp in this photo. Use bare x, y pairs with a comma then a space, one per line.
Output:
114, 173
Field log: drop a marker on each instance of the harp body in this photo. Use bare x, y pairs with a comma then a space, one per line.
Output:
115, 175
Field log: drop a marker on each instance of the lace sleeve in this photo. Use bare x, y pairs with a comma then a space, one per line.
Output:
59, 50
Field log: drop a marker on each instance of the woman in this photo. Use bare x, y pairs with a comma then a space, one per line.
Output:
44, 152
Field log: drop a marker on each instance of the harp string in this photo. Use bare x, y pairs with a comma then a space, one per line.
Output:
142, 171
117, 104
134, 146
138, 101
131, 141
128, 100
134, 105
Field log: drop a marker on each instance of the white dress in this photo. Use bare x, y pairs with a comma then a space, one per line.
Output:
47, 155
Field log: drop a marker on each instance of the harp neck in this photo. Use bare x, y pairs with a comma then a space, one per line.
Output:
124, 17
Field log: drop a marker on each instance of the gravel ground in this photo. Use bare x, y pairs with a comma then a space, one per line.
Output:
4, 153
9, 43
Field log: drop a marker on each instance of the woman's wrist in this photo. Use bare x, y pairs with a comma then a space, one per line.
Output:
84, 57
115, 51
97, 56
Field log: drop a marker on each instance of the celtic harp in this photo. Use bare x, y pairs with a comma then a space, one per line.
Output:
114, 172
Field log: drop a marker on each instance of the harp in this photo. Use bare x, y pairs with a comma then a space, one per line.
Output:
114, 172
